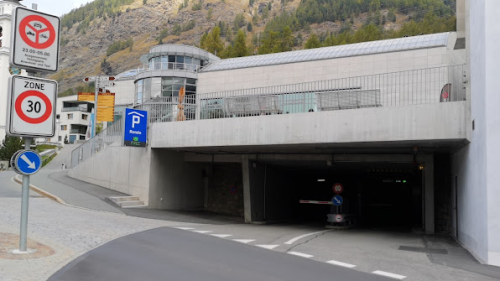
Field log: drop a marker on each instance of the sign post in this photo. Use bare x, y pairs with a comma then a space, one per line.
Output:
32, 101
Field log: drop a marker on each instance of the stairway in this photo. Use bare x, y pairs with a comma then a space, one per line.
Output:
127, 201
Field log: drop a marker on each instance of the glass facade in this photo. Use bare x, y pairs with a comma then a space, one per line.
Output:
170, 86
175, 62
172, 67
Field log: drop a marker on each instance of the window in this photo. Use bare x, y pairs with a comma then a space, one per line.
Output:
82, 137
85, 116
64, 127
70, 116
139, 91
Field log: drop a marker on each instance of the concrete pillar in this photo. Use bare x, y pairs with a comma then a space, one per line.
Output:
247, 202
428, 181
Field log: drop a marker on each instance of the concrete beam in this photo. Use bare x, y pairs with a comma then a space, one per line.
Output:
439, 121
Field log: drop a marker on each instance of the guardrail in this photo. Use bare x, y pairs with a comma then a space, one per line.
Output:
111, 134
432, 85
175, 66
74, 108
166, 109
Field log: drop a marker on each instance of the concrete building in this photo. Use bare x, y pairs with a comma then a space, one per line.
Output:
406, 126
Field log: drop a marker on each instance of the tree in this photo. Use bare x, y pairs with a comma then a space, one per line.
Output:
210, 12
212, 42
313, 42
240, 46
9, 146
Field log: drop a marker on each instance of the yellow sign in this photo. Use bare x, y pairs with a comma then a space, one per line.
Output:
106, 107
86, 97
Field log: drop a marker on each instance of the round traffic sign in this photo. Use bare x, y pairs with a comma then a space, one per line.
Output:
27, 162
37, 32
337, 200
339, 218
33, 107
338, 188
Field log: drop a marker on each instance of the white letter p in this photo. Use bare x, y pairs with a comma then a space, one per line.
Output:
135, 120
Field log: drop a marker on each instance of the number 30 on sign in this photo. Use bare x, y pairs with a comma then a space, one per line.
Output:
31, 107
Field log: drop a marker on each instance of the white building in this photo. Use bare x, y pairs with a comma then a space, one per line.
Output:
6, 8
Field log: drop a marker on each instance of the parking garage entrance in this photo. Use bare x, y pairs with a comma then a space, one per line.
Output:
373, 195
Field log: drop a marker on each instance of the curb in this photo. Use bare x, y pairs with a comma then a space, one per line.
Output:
42, 192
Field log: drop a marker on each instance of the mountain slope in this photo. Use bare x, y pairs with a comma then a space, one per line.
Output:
109, 36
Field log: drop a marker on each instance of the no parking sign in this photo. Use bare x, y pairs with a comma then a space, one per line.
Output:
31, 107
35, 43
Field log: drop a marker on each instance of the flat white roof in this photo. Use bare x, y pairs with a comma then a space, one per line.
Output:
350, 50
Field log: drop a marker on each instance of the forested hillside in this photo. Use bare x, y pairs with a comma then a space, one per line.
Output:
109, 36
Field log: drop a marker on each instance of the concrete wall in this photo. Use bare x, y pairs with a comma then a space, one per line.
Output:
341, 126
476, 166
124, 169
225, 190
246, 78
174, 183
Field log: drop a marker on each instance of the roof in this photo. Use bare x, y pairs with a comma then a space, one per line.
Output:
341, 51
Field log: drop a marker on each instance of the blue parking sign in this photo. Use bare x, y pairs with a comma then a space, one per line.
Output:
136, 126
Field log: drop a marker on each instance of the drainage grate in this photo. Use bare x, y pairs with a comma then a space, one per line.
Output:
423, 250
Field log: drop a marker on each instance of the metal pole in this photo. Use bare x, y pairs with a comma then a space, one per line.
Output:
95, 104
24, 206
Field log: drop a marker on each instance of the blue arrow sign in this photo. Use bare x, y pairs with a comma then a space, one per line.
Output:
28, 162
337, 200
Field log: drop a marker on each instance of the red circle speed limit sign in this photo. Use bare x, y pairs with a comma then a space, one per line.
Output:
31, 106
33, 103
35, 40
338, 188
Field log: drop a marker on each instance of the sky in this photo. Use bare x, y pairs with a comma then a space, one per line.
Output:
55, 7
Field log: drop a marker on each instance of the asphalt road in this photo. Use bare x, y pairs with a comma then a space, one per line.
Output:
7, 187
171, 254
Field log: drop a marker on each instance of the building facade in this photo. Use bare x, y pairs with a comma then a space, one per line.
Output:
6, 9
407, 126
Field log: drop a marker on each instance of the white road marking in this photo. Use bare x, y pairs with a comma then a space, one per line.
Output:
185, 228
341, 264
221, 235
301, 254
291, 241
270, 247
202, 231
388, 274
244, 240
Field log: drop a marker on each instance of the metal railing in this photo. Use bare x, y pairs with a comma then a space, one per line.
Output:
432, 85
74, 108
166, 109
413, 87
175, 66
111, 134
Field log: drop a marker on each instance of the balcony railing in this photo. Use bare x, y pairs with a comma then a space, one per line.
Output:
74, 108
167, 109
78, 131
111, 134
432, 85
174, 66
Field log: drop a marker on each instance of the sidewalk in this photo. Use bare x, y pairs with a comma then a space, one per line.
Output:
84, 195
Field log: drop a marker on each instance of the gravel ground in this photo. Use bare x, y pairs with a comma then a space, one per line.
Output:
68, 231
